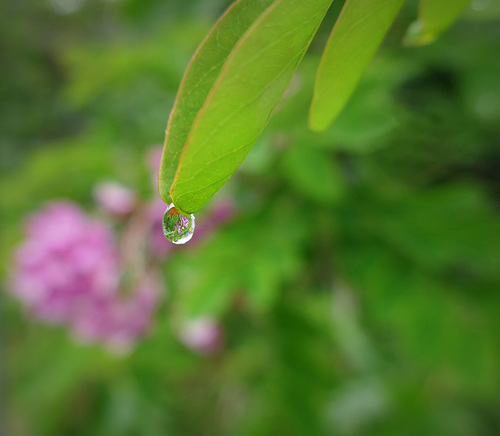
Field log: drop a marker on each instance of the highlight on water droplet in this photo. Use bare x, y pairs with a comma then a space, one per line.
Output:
177, 228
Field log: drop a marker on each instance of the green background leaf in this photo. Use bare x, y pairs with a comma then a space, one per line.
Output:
313, 172
434, 17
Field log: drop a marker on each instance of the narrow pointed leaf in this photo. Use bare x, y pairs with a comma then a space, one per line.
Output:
434, 17
199, 79
357, 34
229, 92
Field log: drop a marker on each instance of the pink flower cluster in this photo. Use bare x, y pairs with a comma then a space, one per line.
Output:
68, 272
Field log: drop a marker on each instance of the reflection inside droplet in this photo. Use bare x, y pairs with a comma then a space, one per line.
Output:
177, 228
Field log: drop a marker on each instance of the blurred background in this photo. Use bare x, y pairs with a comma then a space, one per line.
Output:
343, 283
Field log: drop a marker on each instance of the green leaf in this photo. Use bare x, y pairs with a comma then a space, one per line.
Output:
353, 42
369, 116
264, 252
434, 17
313, 173
230, 91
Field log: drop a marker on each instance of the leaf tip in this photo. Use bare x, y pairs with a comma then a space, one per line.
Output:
417, 35
163, 188
164, 195
317, 122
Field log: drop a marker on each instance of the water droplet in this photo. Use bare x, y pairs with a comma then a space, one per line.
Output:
177, 228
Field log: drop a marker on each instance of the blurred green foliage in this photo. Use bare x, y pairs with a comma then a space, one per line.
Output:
358, 287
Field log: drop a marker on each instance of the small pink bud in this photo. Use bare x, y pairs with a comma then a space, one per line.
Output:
202, 335
115, 198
